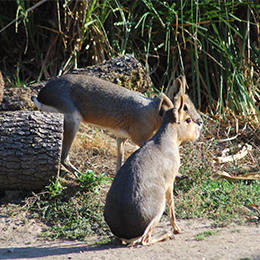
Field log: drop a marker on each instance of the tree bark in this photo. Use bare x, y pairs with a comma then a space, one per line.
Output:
1, 87
30, 149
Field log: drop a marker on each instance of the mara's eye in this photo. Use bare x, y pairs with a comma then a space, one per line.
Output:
188, 120
185, 108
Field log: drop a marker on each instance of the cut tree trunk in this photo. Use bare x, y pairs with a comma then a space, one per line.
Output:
30, 149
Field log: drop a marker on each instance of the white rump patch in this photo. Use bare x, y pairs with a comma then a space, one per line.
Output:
43, 107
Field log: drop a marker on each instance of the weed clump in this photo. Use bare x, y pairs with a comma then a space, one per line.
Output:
72, 212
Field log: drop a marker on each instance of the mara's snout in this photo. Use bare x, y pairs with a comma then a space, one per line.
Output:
199, 125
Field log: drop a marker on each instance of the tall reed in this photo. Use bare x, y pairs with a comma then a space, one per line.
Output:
215, 44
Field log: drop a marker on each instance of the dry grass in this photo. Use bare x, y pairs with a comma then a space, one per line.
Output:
96, 149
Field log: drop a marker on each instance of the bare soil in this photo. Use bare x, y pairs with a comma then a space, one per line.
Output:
22, 241
20, 236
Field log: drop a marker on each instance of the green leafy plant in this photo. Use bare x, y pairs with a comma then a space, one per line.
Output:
16, 81
89, 181
55, 188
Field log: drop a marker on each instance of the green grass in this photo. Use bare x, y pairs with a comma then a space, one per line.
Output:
71, 213
204, 197
216, 199
205, 234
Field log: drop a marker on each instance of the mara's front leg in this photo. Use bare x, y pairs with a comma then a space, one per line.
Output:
170, 199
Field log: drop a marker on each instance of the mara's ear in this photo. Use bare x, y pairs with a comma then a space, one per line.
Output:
178, 87
179, 109
165, 104
183, 83
175, 116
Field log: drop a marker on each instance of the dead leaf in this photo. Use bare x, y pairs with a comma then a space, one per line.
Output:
239, 155
245, 176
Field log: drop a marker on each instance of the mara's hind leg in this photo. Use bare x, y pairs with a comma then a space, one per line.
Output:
71, 126
120, 152
147, 238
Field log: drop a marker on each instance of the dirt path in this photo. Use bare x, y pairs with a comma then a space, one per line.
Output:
21, 241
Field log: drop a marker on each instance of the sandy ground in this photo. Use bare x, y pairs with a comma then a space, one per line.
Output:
19, 240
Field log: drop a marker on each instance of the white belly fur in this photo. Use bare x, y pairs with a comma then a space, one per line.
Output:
117, 132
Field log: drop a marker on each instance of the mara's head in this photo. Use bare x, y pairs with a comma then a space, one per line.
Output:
187, 129
176, 91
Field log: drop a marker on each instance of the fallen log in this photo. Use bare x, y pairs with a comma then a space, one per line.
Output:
30, 149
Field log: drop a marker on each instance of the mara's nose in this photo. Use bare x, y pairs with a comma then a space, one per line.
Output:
199, 122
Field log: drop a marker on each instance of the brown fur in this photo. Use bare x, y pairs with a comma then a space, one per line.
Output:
126, 113
136, 199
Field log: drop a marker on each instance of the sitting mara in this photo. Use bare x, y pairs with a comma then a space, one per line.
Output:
136, 199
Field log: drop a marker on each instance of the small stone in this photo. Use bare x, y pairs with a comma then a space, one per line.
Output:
10, 250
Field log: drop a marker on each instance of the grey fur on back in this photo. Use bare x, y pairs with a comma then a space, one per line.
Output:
108, 100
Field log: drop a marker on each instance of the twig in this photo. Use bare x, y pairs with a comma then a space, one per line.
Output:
227, 139
207, 117
242, 153
27, 11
